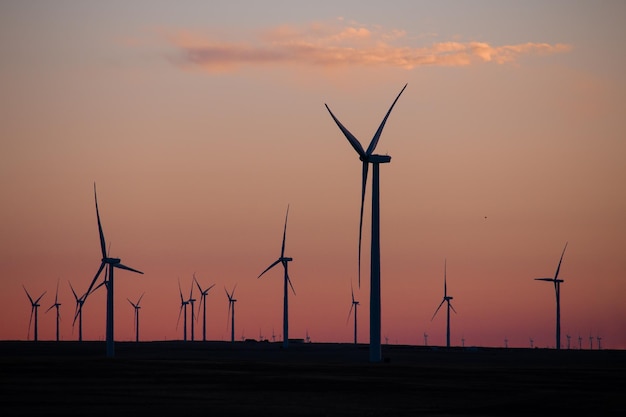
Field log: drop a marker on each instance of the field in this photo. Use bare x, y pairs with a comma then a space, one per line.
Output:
307, 379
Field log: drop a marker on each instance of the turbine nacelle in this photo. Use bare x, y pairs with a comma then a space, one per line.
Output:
375, 159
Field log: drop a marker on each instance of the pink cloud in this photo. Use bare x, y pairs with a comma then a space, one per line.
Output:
323, 45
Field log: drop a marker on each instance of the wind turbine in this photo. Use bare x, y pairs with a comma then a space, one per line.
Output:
287, 282
557, 289
367, 157
355, 305
231, 311
33, 310
183, 306
136, 307
425, 339
56, 305
78, 313
203, 294
192, 300
112, 263
446, 299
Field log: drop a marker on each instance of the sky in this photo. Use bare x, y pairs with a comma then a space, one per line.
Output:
201, 122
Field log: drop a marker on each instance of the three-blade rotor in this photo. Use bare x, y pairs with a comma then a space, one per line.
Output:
367, 157
282, 259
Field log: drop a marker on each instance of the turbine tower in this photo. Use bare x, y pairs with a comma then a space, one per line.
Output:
287, 282
112, 263
367, 157
446, 299
33, 310
231, 312
56, 305
136, 307
557, 289
203, 295
354, 305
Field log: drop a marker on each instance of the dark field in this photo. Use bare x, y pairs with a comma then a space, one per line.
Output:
307, 379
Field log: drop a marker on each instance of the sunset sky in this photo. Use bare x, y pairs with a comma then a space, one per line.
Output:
201, 121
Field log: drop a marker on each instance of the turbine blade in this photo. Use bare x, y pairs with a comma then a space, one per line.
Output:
37, 300
282, 250
198, 284
32, 310
363, 187
376, 137
138, 301
28, 295
445, 287
100, 232
128, 268
452, 307
442, 301
560, 260
544, 279
181, 292
269, 267
350, 312
353, 141
289, 281
73, 292
102, 265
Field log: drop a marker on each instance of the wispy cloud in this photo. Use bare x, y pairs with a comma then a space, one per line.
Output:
338, 44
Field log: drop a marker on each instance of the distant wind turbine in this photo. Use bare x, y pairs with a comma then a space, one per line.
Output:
286, 282
112, 263
425, 339
203, 295
446, 299
78, 312
192, 300
56, 305
231, 311
368, 157
136, 307
354, 305
557, 289
33, 311
183, 306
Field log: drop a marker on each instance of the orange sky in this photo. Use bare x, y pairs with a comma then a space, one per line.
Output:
200, 124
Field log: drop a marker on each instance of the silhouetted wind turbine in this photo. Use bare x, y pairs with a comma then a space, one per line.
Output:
56, 305
557, 289
446, 299
203, 295
183, 306
355, 305
112, 263
192, 300
367, 157
287, 282
33, 310
78, 312
136, 307
231, 312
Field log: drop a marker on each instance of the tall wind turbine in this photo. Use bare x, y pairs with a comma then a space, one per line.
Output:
112, 263
231, 311
367, 157
287, 282
355, 305
203, 295
136, 307
183, 306
557, 289
33, 310
446, 299
56, 305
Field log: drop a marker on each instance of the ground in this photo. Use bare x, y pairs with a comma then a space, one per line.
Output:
306, 379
